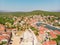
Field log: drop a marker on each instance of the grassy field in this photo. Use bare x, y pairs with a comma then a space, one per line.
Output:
36, 12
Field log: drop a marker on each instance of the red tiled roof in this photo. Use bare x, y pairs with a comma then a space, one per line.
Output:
57, 32
46, 43
4, 37
53, 35
51, 42
41, 32
1, 37
42, 29
2, 27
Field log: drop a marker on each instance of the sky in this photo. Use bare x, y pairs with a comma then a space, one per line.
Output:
29, 5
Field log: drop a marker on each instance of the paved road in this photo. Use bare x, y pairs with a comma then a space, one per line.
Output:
47, 26
29, 38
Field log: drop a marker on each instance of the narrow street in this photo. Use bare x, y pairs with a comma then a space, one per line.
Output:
16, 39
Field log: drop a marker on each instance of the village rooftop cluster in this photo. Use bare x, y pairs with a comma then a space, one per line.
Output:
12, 27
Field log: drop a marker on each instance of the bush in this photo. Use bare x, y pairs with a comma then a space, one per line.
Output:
57, 39
4, 42
35, 30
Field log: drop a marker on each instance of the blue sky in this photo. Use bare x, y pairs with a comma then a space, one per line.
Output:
29, 5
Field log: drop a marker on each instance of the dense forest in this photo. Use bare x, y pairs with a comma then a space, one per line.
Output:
36, 12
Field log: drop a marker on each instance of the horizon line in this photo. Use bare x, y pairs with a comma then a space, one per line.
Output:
29, 11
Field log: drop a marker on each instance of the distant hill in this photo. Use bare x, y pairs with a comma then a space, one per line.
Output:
1, 11
58, 11
35, 12
4, 11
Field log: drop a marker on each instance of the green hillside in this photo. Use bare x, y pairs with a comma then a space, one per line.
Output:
36, 12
